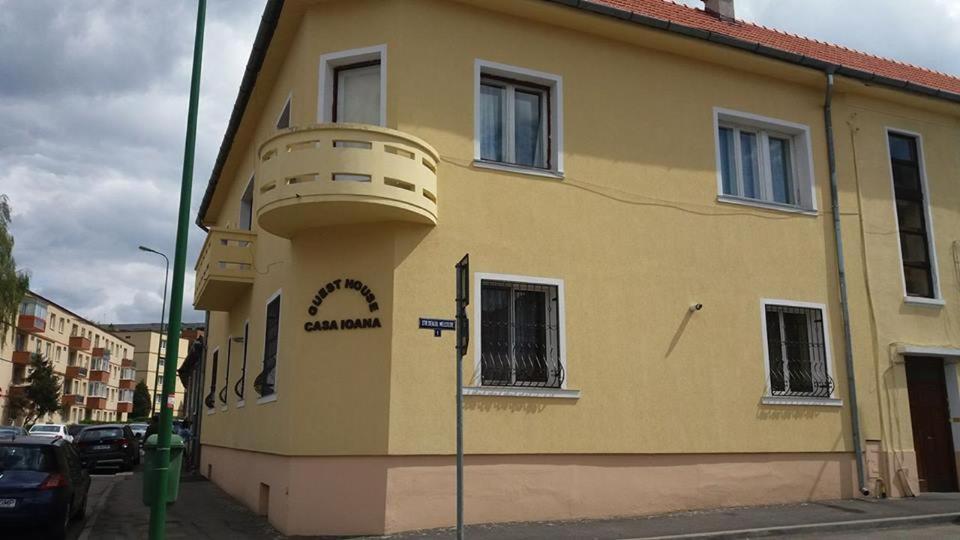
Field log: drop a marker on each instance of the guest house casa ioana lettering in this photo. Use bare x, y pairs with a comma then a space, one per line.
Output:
350, 323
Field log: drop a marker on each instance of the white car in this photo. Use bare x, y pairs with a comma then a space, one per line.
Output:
50, 430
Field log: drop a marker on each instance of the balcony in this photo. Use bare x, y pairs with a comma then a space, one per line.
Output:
77, 372
126, 362
124, 407
21, 358
224, 268
73, 399
99, 375
31, 324
93, 402
126, 384
333, 174
79, 343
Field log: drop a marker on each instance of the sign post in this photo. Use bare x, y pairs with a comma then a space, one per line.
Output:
463, 336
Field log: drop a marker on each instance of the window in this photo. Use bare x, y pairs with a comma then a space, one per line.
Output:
764, 160
210, 400
226, 373
353, 86
283, 121
246, 207
266, 381
517, 117
520, 333
238, 388
798, 363
60, 326
913, 219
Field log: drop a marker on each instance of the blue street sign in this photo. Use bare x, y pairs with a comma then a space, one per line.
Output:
437, 325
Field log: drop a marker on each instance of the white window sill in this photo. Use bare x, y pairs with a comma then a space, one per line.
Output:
512, 391
223, 407
211, 411
506, 167
730, 199
267, 399
802, 401
241, 403
924, 302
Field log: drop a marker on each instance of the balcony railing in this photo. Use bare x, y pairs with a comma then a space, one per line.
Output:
21, 358
77, 372
79, 343
31, 323
224, 268
124, 407
73, 399
331, 174
95, 402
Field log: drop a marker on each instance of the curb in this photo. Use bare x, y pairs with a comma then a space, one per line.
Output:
835, 526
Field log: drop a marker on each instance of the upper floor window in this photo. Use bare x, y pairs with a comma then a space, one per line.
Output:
764, 160
520, 332
518, 117
266, 382
913, 217
246, 207
353, 86
797, 353
283, 121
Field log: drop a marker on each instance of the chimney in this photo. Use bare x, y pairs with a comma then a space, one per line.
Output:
720, 8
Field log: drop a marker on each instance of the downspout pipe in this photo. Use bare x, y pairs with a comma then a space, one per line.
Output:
844, 300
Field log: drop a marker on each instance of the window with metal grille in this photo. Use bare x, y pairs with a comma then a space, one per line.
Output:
918, 274
797, 352
265, 383
519, 335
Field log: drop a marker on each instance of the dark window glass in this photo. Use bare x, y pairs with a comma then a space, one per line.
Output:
27, 458
911, 218
284, 121
797, 352
101, 433
268, 378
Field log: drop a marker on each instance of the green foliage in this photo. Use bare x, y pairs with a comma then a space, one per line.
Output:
13, 284
43, 393
141, 401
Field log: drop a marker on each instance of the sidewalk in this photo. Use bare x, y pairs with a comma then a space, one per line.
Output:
204, 511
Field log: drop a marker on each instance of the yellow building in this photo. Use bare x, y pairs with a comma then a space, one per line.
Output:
660, 308
149, 343
93, 364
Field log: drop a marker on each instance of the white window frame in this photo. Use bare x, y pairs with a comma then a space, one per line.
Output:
554, 84
328, 65
937, 300
768, 397
477, 388
276, 375
801, 155
286, 103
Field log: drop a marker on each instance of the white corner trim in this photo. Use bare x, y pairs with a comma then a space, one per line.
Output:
802, 401
733, 199
924, 302
521, 392
519, 169
267, 399
333, 60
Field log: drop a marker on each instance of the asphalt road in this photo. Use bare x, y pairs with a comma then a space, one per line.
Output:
932, 532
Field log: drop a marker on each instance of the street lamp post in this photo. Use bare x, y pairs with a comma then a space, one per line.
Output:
163, 314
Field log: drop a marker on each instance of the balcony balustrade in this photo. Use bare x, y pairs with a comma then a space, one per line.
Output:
79, 343
224, 268
31, 324
21, 358
77, 372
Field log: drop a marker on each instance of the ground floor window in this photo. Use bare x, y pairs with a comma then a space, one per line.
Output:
520, 341
265, 383
797, 353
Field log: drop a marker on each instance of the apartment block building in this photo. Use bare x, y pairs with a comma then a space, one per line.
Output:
150, 356
94, 365
711, 264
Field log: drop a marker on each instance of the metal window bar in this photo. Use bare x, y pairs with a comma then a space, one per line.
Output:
797, 353
520, 335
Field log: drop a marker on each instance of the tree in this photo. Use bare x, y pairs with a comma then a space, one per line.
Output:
42, 395
141, 401
13, 284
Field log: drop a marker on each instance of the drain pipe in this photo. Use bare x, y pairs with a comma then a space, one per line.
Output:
844, 302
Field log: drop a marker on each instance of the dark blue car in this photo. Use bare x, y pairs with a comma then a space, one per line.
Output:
43, 485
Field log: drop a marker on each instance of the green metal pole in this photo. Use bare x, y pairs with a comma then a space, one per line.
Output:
158, 511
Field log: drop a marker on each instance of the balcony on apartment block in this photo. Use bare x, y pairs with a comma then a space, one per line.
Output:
99, 367
224, 268
332, 174
124, 407
127, 375
96, 402
73, 399
77, 372
31, 323
79, 343
21, 358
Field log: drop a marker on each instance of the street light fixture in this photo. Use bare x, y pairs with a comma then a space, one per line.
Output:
163, 312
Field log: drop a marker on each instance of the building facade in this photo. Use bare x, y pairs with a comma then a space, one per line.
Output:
693, 243
94, 365
149, 343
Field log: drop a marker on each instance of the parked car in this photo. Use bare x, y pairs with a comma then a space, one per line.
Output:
11, 431
108, 445
42, 484
74, 430
50, 430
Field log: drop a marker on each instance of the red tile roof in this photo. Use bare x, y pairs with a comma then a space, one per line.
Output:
685, 16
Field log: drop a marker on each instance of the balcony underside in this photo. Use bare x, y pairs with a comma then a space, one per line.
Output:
287, 217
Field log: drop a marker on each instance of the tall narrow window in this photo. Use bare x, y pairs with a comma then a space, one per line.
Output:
226, 372
283, 121
265, 383
797, 352
241, 381
210, 400
246, 207
514, 118
356, 93
520, 335
915, 249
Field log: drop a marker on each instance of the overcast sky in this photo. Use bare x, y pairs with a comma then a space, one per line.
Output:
93, 100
